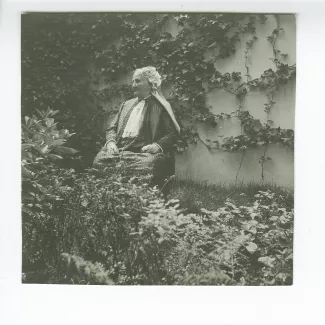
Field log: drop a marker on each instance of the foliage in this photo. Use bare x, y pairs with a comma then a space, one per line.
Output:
256, 135
55, 73
94, 218
42, 146
261, 234
125, 232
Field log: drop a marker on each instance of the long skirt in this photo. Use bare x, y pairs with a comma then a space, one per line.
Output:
157, 168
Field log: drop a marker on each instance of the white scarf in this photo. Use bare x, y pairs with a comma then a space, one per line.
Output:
135, 120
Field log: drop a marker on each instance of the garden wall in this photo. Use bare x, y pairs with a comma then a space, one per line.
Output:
215, 166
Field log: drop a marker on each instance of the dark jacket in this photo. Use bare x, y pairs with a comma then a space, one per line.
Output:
157, 127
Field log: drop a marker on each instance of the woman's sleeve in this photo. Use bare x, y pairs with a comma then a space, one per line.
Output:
111, 131
169, 139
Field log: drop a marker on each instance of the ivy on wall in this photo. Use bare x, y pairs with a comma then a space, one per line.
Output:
66, 57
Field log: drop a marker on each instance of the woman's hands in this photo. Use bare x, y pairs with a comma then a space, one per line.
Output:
111, 147
151, 148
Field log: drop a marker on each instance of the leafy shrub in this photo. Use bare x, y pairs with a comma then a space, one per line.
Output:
42, 146
256, 241
93, 217
139, 238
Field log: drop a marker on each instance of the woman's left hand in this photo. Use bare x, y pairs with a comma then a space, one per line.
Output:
151, 148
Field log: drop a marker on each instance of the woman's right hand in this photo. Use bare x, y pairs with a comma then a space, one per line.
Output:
111, 147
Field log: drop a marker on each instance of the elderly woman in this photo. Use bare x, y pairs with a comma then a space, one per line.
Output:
141, 136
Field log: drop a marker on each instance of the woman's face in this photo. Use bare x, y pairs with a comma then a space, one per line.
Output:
140, 85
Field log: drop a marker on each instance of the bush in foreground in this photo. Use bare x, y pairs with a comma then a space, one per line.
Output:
131, 235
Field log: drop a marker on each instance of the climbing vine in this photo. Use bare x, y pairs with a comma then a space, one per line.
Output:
73, 62
254, 133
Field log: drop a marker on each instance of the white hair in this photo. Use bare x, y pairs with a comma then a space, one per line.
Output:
151, 74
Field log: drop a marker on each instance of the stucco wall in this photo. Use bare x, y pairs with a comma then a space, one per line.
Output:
214, 166
199, 163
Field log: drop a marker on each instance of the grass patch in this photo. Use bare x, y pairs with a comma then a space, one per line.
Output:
194, 195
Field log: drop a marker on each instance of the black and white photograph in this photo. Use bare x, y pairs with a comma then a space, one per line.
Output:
157, 148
